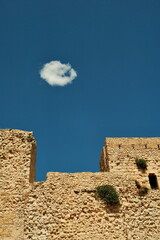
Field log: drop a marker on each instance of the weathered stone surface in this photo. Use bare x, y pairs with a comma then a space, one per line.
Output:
65, 206
16, 157
119, 154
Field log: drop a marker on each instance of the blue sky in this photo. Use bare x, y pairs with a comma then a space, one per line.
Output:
114, 46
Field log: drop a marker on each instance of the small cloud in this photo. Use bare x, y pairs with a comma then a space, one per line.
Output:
56, 73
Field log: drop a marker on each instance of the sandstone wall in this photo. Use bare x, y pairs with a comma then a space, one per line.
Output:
65, 206
16, 170
119, 154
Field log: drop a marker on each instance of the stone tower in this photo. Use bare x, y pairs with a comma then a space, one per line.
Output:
17, 171
119, 155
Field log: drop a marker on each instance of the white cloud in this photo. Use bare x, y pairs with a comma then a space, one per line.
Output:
57, 74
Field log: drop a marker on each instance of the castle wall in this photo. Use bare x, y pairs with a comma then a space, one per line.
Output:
120, 154
65, 206
16, 156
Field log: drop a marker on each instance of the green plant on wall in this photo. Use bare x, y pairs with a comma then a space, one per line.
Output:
108, 194
141, 163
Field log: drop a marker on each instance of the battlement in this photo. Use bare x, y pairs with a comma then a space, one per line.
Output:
65, 206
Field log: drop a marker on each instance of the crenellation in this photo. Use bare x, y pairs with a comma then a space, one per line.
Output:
66, 206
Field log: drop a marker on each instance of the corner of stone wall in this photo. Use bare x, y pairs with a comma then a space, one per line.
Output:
104, 161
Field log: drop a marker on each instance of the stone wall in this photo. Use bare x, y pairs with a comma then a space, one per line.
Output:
17, 169
119, 154
65, 206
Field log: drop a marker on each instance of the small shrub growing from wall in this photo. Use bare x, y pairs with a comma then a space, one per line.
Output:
141, 163
108, 194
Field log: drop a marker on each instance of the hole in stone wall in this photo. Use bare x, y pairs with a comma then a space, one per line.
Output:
145, 146
76, 191
119, 146
158, 146
133, 146
153, 181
